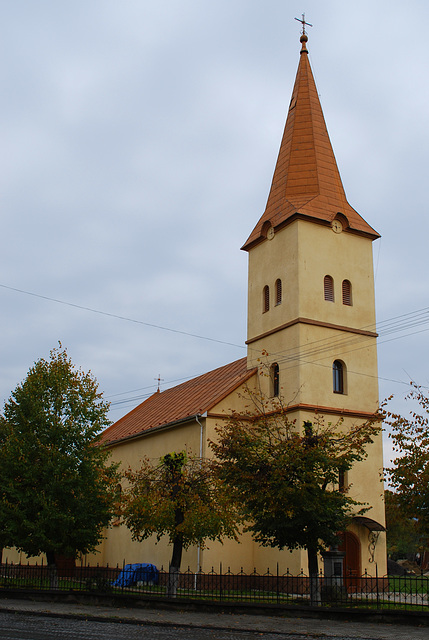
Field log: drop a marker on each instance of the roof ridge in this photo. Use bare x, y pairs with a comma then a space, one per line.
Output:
191, 398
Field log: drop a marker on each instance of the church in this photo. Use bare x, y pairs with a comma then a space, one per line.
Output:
311, 341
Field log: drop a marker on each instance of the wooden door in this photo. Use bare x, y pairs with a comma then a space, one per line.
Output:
351, 548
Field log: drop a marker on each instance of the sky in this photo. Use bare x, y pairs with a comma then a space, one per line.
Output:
138, 142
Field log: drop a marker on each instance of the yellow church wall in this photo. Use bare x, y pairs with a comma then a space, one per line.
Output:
320, 347
118, 547
305, 355
248, 556
229, 554
269, 260
118, 544
365, 480
343, 256
158, 442
301, 255
273, 559
235, 401
11, 555
238, 401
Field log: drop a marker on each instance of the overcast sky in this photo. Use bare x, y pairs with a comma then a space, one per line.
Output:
138, 142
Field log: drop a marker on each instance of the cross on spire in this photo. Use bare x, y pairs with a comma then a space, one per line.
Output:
159, 380
304, 23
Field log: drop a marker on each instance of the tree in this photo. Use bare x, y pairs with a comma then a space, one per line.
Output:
181, 498
403, 539
287, 479
57, 488
409, 474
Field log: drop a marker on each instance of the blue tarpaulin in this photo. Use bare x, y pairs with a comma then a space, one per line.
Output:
133, 573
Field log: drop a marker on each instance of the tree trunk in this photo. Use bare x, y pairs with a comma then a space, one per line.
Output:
52, 570
175, 464
313, 570
176, 558
174, 569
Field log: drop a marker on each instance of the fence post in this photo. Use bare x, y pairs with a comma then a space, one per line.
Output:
220, 581
378, 592
277, 584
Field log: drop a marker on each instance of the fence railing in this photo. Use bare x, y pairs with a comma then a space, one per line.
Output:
408, 592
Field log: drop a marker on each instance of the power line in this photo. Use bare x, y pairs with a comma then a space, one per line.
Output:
291, 355
391, 325
118, 317
330, 344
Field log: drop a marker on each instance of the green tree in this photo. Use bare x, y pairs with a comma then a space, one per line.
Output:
403, 539
57, 487
286, 479
181, 498
409, 473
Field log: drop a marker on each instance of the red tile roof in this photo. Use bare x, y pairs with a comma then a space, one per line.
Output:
191, 398
306, 181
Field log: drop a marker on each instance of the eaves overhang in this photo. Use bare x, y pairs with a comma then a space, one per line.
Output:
161, 427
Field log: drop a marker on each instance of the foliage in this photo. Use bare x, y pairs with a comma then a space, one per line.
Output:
409, 474
181, 498
56, 486
286, 478
403, 539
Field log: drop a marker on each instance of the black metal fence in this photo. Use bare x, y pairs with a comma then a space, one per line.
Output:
408, 592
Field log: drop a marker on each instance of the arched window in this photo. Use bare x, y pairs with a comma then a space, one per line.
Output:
328, 286
275, 379
118, 494
278, 291
266, 298
338, 376
342, 481
347, 292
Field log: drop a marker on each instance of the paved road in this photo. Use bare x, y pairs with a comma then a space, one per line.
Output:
18, 626
32, 620
25, 627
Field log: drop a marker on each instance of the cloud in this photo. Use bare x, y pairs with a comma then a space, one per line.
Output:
138, 145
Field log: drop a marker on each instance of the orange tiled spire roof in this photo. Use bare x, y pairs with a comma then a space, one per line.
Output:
306, 181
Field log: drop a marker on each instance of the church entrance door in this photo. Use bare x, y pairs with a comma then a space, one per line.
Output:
351, 548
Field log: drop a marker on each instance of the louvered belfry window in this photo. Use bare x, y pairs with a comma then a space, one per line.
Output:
328, 285
278, 291
266, 299
347, 293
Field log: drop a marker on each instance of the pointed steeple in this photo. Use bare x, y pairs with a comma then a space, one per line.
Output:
306, 182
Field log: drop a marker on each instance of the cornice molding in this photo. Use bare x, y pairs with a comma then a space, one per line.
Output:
316, 323
321, 410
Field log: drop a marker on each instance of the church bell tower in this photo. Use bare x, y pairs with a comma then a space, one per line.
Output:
311, 309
